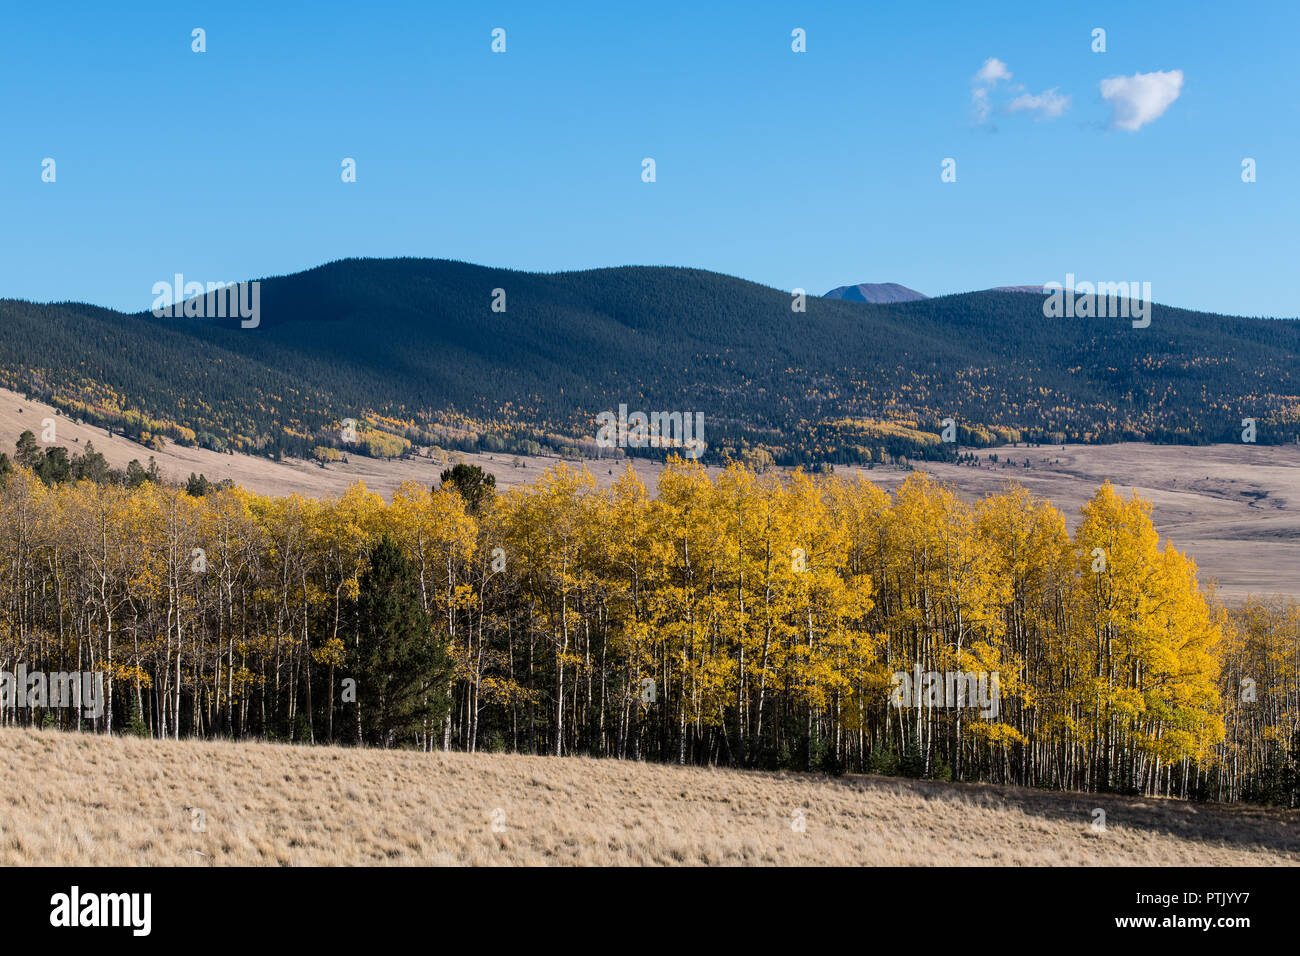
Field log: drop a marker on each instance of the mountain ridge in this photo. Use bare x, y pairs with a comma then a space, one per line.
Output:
413, 350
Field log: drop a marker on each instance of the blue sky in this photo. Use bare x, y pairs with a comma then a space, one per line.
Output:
807, 170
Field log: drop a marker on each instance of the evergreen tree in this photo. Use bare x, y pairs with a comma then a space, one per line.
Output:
400, 667
29, 451
472, 483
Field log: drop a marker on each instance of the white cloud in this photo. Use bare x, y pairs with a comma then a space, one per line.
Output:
1141, 98
1048, 104
988, 75
992, 71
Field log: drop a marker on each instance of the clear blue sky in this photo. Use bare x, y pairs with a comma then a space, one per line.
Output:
795, 170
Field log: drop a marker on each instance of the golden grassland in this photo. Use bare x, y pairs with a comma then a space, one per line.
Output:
78, 799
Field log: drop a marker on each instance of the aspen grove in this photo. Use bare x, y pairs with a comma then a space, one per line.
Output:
737, 618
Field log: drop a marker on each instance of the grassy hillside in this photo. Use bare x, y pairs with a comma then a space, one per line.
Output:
409, 345
65, 800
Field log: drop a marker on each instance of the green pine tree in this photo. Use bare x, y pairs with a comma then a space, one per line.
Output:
400, 665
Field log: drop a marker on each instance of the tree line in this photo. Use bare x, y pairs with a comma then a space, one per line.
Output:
757, 620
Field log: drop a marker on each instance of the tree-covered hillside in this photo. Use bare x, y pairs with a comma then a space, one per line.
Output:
412, 350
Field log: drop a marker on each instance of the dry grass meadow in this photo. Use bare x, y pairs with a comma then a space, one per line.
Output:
77, 799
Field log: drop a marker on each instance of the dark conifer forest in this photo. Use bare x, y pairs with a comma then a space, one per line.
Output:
413, 351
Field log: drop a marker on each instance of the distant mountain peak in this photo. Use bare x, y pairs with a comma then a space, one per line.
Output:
877, 292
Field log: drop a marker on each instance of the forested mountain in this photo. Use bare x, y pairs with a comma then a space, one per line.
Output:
414, 352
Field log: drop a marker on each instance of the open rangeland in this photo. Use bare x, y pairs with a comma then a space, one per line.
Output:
78, 799
1234, 509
